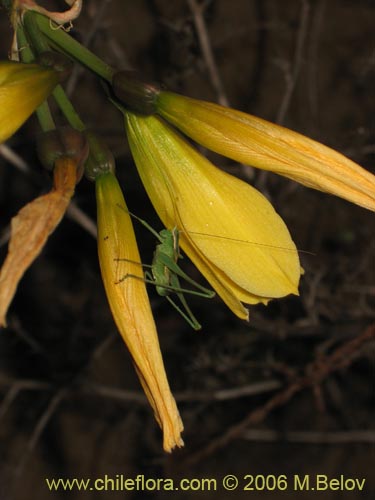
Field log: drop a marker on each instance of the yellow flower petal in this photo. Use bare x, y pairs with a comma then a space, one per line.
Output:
23, 87
228, 229
251, 140
232, 294
130, 306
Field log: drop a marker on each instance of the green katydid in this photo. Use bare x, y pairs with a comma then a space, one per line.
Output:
165, 272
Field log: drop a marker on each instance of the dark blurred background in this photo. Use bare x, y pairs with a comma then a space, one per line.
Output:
70, 402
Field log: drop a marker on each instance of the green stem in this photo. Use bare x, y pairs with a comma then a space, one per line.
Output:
38, 41
67, 108
25, 51
45, 118
43, 112
40, 44
71, 47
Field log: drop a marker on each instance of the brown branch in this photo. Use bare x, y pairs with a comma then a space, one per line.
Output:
314, 374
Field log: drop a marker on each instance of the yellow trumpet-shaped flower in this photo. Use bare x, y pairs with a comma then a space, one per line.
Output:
228, 229
23, 87
118, 257
253, 141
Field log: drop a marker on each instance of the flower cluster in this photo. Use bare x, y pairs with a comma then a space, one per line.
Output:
228, 229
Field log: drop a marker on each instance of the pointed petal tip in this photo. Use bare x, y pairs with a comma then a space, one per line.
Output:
170, 445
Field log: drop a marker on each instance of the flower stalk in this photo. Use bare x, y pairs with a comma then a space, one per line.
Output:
59, 39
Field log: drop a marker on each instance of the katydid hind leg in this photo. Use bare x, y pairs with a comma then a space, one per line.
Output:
174, 287
189, 314
175, 268
190, 319
149, 279
119, 259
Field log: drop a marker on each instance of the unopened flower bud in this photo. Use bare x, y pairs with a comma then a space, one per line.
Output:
134, 94
62, 142
100, 159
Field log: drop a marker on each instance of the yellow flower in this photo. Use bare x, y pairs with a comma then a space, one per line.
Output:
228, 229
130, 305
23, 87
264, 145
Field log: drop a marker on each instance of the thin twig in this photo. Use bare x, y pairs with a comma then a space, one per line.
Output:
77, 215
9, 397
39, 428
189, 396
16, 326
138, 397
313, 59
204, 40
16, 386
310, 437
14, 159
24, 383
292, 77
114, 393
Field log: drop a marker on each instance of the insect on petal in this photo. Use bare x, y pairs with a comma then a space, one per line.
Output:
228, 229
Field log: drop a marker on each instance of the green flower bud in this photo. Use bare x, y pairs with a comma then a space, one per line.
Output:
100, 159
62, 142
135, 95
